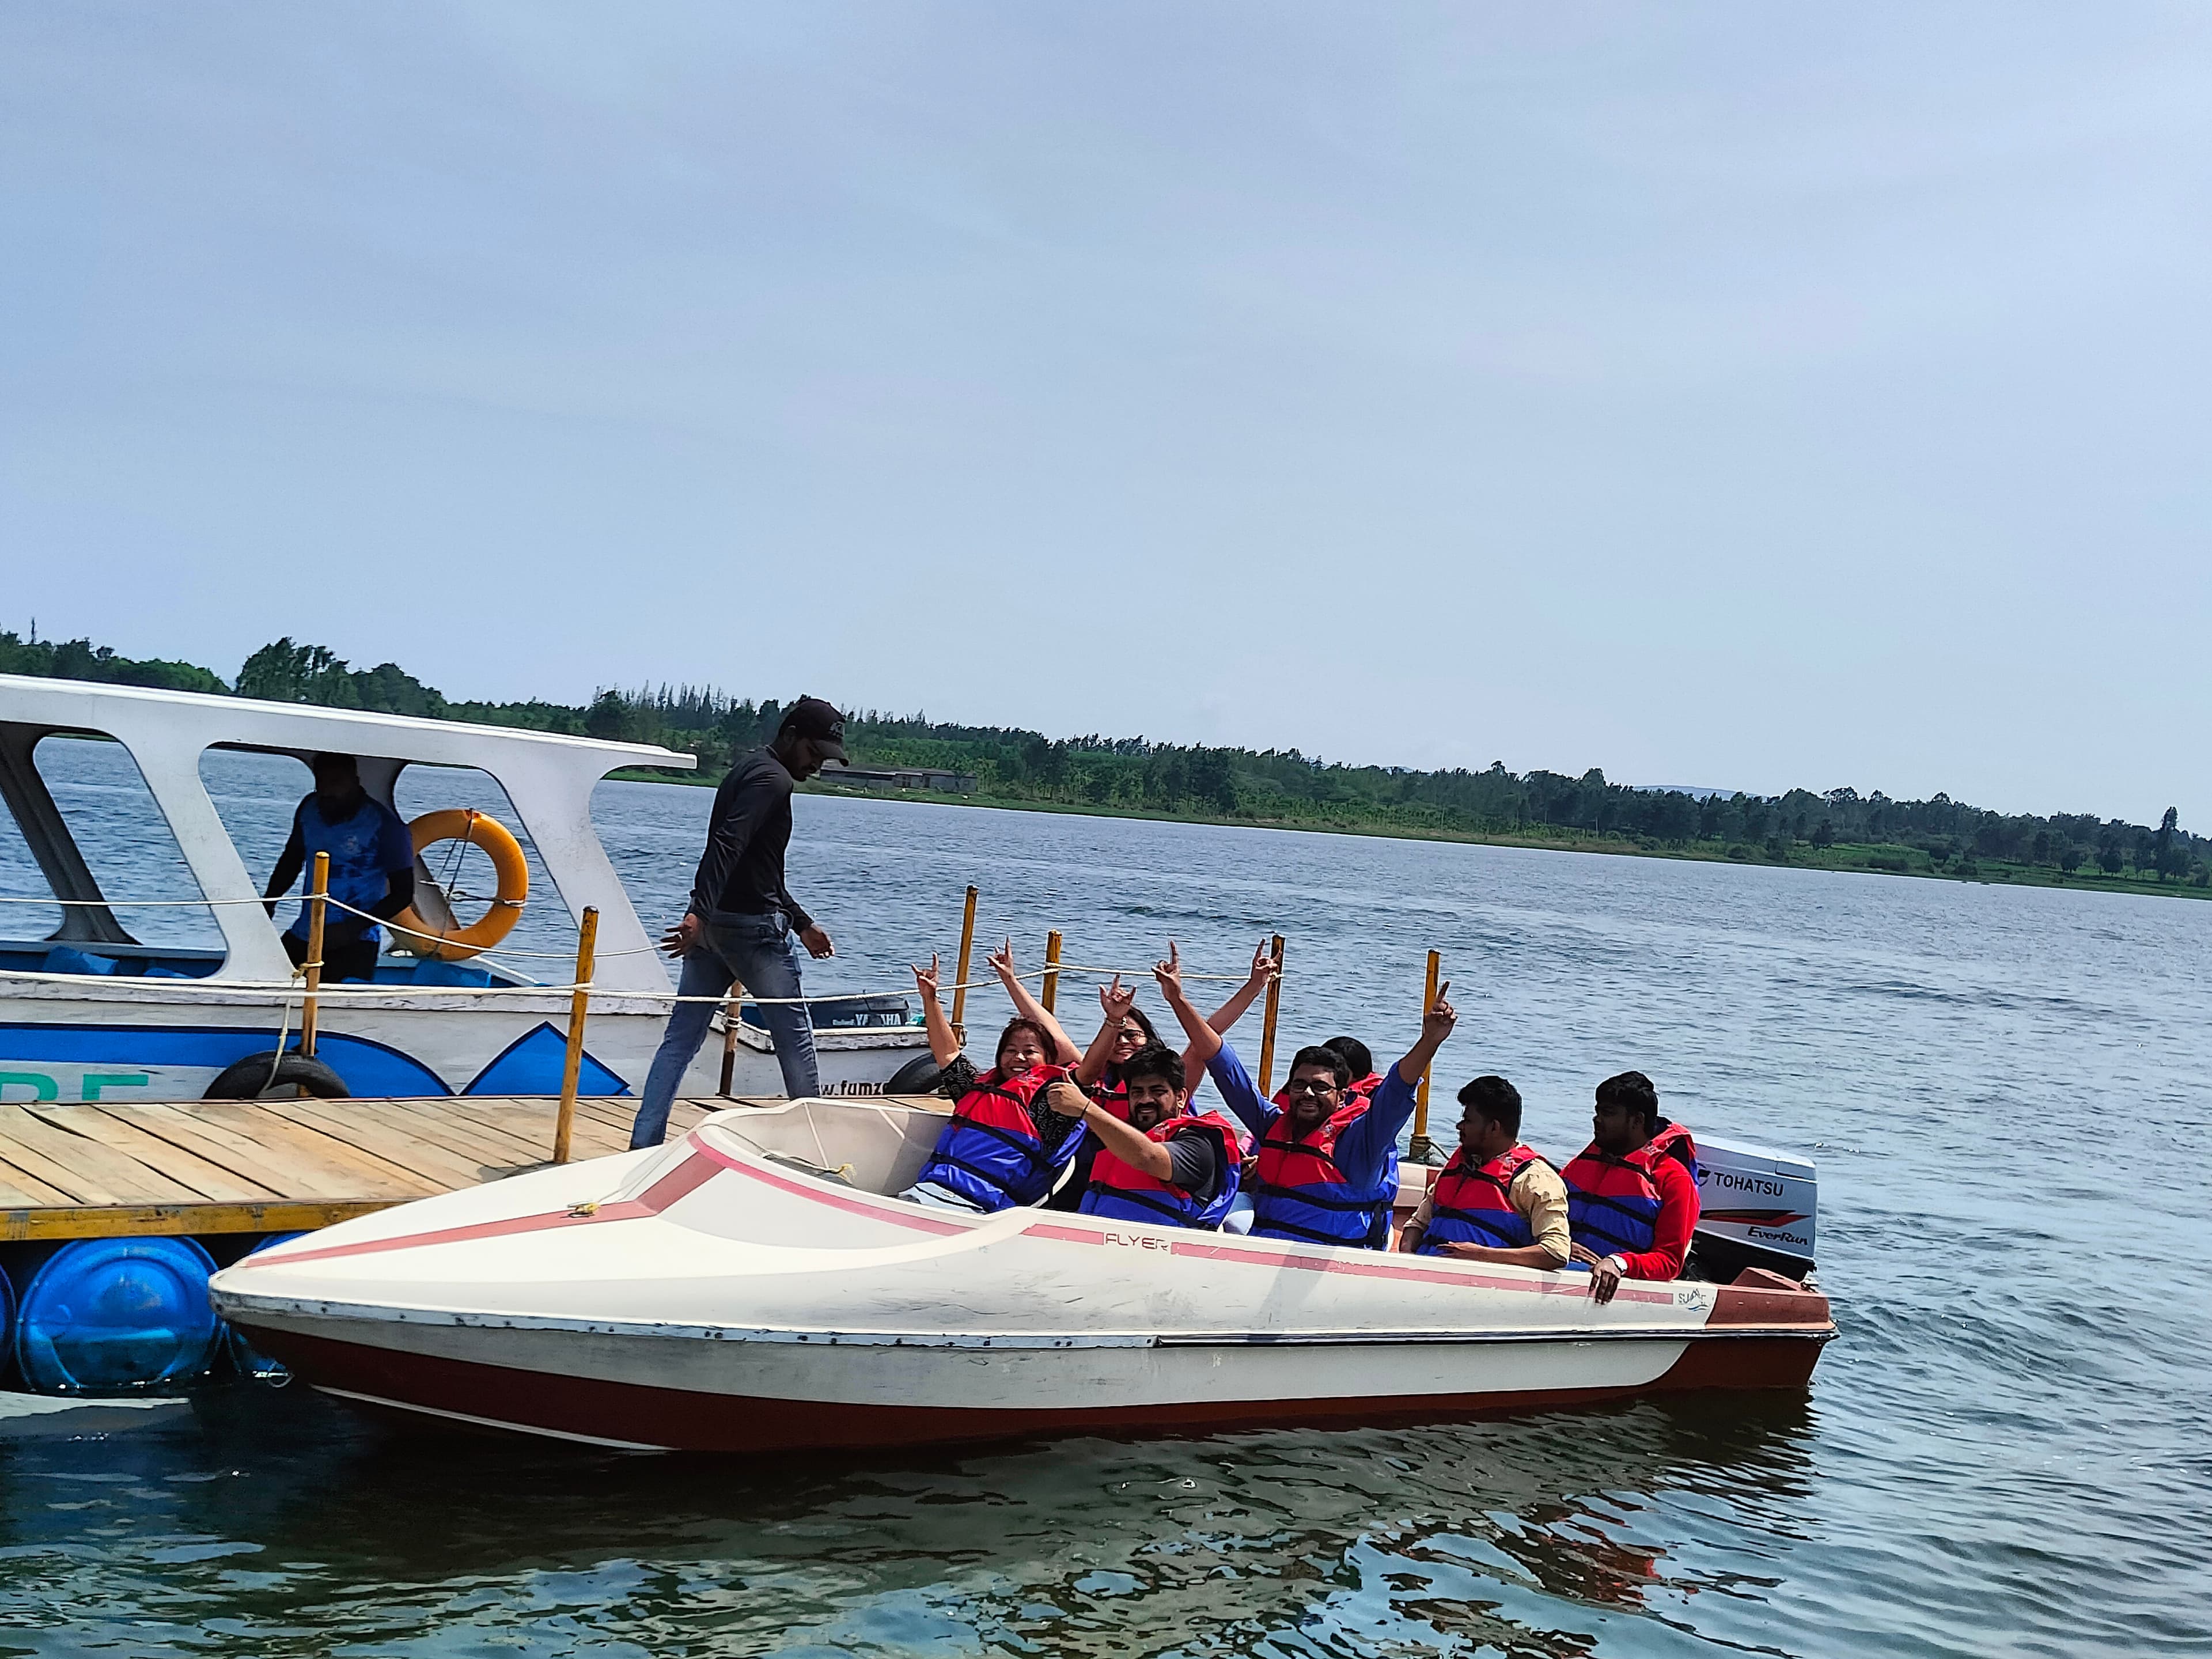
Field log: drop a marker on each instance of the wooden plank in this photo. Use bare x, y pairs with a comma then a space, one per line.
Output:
343, 1121
531, 1120
87, 1170
613, 1115
597, 1139
211, 1182
310, 1149
496, 1130
27, 1166
620, 1112
17, 1188
126, 1221
220, 1139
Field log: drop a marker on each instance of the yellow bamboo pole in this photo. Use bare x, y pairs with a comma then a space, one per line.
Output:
1419, 1146
729, 1036
1051, 967
572, 1067
960, 973
1267, 1029
317, 905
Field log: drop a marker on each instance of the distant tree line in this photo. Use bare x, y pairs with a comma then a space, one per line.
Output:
1272, 785
80, 660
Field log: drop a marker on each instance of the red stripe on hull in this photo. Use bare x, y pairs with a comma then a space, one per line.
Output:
684, 1420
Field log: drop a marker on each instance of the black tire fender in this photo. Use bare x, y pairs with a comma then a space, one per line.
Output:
919, 1076
257, 1074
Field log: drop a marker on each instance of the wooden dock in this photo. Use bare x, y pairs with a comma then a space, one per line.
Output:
112, 1170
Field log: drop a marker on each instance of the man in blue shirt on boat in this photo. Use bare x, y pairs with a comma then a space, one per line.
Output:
372, 868
1328, 1166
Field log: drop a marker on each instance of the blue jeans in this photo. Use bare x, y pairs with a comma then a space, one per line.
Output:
756, 952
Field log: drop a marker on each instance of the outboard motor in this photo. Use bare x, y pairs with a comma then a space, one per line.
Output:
1758, 1208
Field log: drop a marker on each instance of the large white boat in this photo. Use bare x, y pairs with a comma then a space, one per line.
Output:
752, 1287
90, 1012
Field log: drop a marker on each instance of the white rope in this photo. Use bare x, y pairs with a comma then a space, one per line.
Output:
492, 953
1141, 974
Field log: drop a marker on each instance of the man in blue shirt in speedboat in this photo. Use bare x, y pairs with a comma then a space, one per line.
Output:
372, 868
1328, 1166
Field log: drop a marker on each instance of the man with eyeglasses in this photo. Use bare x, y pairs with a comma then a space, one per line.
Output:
1328, 1168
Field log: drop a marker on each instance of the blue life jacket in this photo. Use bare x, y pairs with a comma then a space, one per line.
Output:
364, 849
991, 1151
1299, 1192
1612, 1206
1121, 1192
1475, 1207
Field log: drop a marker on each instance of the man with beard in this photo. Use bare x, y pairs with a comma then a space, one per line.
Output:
1163, 1164
1328, 1166
1633, 1191
1496, 1201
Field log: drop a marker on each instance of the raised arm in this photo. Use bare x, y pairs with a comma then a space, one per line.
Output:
1240, 1002
1204, 1035
1372, 1137
1204, 1039
1113, 1006
1436, 1025
943, 1041
1027, 1005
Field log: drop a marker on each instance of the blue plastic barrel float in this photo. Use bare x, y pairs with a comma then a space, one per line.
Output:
246, 1359
111, 1314
7, 1311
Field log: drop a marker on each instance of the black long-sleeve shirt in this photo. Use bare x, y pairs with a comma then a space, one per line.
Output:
742, 869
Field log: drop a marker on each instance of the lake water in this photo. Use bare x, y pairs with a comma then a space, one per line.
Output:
2008, 1451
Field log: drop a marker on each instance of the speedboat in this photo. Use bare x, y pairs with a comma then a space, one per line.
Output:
754, 1286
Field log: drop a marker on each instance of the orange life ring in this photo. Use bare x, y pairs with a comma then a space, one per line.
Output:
474, 828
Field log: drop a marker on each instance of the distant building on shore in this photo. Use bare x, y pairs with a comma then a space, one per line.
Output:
902, 777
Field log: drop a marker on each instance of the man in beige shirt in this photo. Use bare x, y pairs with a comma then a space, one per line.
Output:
1496, 1201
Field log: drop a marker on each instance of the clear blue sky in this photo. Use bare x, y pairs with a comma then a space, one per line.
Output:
1743, 395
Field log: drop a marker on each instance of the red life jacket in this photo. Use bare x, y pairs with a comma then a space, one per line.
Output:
1121, 1192
1298, 1191
1612, 1204
991, 1151
1475, 1207
1111, 1094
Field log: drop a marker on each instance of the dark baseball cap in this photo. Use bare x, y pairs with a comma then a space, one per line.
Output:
819, 721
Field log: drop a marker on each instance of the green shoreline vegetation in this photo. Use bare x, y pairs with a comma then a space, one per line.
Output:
1284, 789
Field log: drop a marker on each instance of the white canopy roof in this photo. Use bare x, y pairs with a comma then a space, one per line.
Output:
548, 776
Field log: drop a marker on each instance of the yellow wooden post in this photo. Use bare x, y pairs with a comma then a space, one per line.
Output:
309, 1013
729, 1036
1051, 967
1419, 1146
572, 1066
1267, 1029
960, 973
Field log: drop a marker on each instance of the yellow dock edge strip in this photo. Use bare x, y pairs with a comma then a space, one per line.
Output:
124, 1220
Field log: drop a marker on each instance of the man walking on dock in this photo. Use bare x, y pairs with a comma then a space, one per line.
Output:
742, 916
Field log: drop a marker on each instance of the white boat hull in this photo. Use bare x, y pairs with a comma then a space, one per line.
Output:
710, 1295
